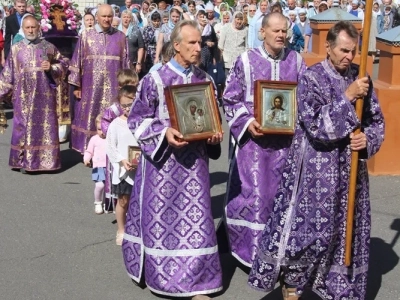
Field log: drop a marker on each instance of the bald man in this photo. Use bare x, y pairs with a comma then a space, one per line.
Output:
291, 7
32, 70
258, 159
100, 53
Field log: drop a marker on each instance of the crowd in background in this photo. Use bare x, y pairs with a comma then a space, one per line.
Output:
148, 24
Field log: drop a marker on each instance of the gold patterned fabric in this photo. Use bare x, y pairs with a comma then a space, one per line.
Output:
34, 142
94, 67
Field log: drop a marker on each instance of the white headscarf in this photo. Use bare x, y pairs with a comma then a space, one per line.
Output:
207, 29
2, 20
227, 12
134, 23
150, 23
209, 6
83, 27
21, 31
233, 18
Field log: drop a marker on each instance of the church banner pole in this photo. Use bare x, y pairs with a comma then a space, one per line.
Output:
354, 154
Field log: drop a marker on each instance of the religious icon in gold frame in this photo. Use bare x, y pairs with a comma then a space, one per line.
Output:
134, 154
193, 110
275, 106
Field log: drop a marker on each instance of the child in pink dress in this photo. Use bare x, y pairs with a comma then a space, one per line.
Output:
96, 151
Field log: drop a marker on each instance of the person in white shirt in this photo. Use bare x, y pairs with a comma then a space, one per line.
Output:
291, 7
119, 139
313, 9
356, 10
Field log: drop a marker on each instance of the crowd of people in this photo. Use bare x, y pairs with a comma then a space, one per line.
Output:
286, 199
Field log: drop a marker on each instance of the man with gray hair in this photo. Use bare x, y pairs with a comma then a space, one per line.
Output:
304, 239
256, 159
169, 224
32, 70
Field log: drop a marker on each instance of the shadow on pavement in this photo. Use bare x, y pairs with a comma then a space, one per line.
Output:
382, 260
218, 178
276, 294
229, 265
217, 206
69, 159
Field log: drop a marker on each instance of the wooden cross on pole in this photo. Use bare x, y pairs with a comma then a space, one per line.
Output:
57, 15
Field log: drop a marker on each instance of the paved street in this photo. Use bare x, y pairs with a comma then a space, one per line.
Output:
53, 246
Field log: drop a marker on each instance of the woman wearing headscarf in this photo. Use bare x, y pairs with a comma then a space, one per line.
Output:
296, 41
191, 9
233, 40
323, 6
175, 15
221, 8
255, 25
136, 12
20, 35
153, 6
2, 19
88, 22
251, 13
144, 13
129, 26
276, 7
226, 17
150, 36
376, 15
208, 41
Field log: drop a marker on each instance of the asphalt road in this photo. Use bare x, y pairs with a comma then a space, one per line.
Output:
53, 246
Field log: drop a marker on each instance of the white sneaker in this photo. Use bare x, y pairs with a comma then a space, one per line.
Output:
98, 209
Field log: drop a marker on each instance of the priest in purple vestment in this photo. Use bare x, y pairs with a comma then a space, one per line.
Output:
170, 238
256, 160
99, 54
32, 71
304, 238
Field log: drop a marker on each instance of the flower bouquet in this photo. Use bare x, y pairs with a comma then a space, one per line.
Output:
59, 15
